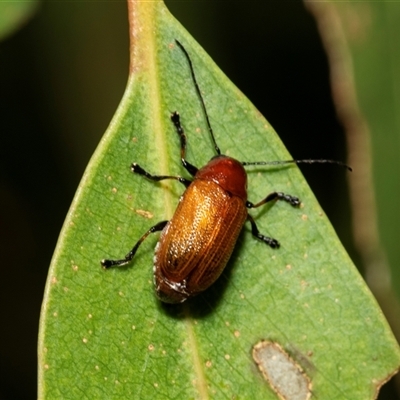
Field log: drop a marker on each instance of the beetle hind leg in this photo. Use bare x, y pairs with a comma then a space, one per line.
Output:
273, 243
106, 264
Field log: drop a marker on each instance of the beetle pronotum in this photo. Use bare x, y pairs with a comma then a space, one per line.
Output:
196, 244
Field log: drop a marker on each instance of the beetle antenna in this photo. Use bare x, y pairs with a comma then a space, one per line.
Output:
322, 161
200, 96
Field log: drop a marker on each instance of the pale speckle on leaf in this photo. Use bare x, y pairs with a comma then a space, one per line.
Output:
144, 213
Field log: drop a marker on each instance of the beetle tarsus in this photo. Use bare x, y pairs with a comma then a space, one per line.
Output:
106, 264
137, 169
273, 243
292, 200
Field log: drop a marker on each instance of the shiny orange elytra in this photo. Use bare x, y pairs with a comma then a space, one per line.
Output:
196, 244
198, 241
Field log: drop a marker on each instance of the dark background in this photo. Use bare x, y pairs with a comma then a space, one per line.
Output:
61, 78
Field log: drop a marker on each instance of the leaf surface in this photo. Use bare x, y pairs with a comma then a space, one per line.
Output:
103, 334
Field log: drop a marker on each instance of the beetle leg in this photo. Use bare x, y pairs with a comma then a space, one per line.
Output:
137, 169
254, 230
117, 263
292, 200
177, 122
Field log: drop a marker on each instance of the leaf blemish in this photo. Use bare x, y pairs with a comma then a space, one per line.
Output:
284, 375
145, 214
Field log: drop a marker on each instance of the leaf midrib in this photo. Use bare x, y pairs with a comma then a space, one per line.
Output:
160, 134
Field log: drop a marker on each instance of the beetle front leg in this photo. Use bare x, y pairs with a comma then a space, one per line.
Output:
254, 230
175, 118
137, 169
117, 263
292, 200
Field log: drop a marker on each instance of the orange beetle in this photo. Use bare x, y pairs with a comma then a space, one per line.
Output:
198, 241
196, 244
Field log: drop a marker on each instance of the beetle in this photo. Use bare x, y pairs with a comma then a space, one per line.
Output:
196, 244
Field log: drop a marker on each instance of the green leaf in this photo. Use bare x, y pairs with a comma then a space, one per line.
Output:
13, 14
375, 58
360, 40
103, 334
